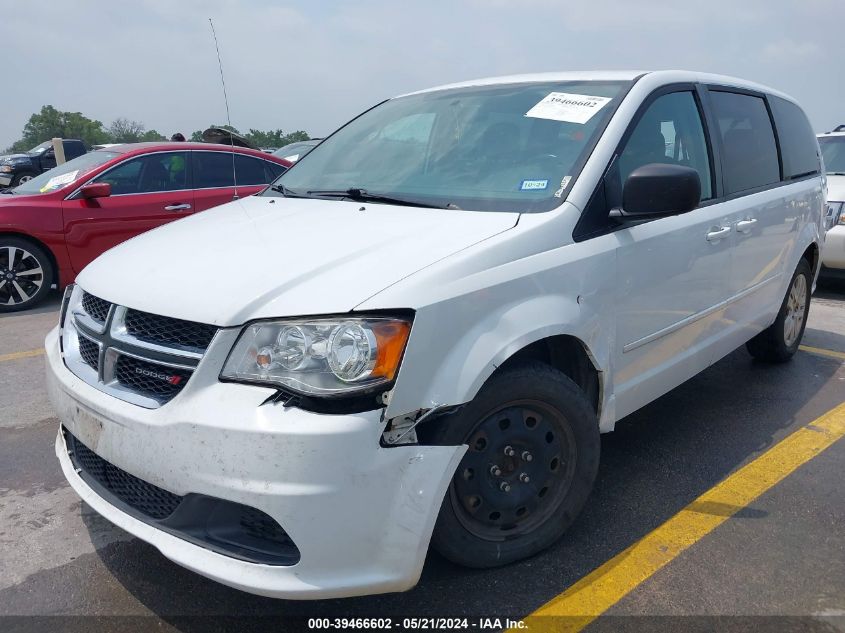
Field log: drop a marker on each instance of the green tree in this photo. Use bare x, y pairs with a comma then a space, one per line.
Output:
152, 136
125, 131
51, 123
275, 138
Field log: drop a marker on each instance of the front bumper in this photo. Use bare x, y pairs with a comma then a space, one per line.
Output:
361, 515
833, 252
5, 180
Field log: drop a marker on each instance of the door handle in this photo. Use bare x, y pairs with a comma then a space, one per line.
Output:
745, 226
717, 234
177, 207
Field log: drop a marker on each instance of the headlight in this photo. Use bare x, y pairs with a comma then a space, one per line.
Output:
834, 214
6, 169
320, 357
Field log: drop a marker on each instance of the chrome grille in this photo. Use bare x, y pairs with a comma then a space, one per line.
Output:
95, 307
168, 331
139, 357
151, 379
90, 352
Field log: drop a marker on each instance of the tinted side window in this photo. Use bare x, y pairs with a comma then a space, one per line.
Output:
250, 170
750, 156
274, 170
149, 174
797, 140
213, 169
669, 131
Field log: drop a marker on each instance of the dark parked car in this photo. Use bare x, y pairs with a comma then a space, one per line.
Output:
19, 168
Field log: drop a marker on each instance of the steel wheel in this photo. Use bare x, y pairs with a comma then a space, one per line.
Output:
21, 275
519, 465
795, 307
24, 179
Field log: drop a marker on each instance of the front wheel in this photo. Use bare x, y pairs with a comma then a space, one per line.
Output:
20, 179
533, 455
779, 342
26, 274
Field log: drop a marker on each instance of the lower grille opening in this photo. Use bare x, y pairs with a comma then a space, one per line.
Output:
228, 528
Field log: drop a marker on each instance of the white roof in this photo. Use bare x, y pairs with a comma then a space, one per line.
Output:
669, 76
830, 134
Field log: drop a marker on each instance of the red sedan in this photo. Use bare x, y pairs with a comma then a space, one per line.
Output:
52, 226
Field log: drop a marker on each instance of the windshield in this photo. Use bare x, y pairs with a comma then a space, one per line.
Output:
295, 151
833, 152
40, 149
64, 174
512, 147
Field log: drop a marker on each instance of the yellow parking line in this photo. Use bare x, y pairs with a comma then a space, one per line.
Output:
595, 593
17, 355
822, 352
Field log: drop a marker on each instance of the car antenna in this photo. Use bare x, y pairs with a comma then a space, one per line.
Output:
226, 101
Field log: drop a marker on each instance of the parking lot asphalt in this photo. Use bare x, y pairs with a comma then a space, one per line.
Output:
776, 563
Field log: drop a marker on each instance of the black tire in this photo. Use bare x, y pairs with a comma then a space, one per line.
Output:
467, 530
776, 344
20, 287
18, 178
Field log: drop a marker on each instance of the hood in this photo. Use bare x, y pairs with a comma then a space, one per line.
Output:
15, 157
835, 188
276, 257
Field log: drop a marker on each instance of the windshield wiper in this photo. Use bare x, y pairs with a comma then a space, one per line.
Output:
287, 193
362, 195
836, 173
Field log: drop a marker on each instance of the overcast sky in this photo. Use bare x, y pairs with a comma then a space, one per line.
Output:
312, 65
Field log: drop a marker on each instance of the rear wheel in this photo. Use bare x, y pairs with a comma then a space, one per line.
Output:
26, 274
779, 342
532, 459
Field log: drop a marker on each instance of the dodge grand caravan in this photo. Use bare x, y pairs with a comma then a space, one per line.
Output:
416, 335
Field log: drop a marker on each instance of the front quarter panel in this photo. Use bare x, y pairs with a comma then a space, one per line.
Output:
478, 308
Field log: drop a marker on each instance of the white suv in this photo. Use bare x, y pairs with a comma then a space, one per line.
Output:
417, 333
833, 151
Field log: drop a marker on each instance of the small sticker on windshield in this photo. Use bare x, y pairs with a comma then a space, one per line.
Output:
566, 107
58, 181
564, 183
533, 185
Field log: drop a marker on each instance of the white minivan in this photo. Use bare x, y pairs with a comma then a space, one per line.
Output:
416, 334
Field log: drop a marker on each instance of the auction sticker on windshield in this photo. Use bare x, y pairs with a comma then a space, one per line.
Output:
58, 181
570, 108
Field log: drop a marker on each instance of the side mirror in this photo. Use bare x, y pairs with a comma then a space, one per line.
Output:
95, 190
657, 189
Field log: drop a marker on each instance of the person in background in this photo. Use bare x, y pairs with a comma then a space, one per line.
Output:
177, 164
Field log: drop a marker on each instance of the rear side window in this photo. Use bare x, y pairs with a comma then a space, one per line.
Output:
213, 169
749, 151
797, 140
250, 170
274, 170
